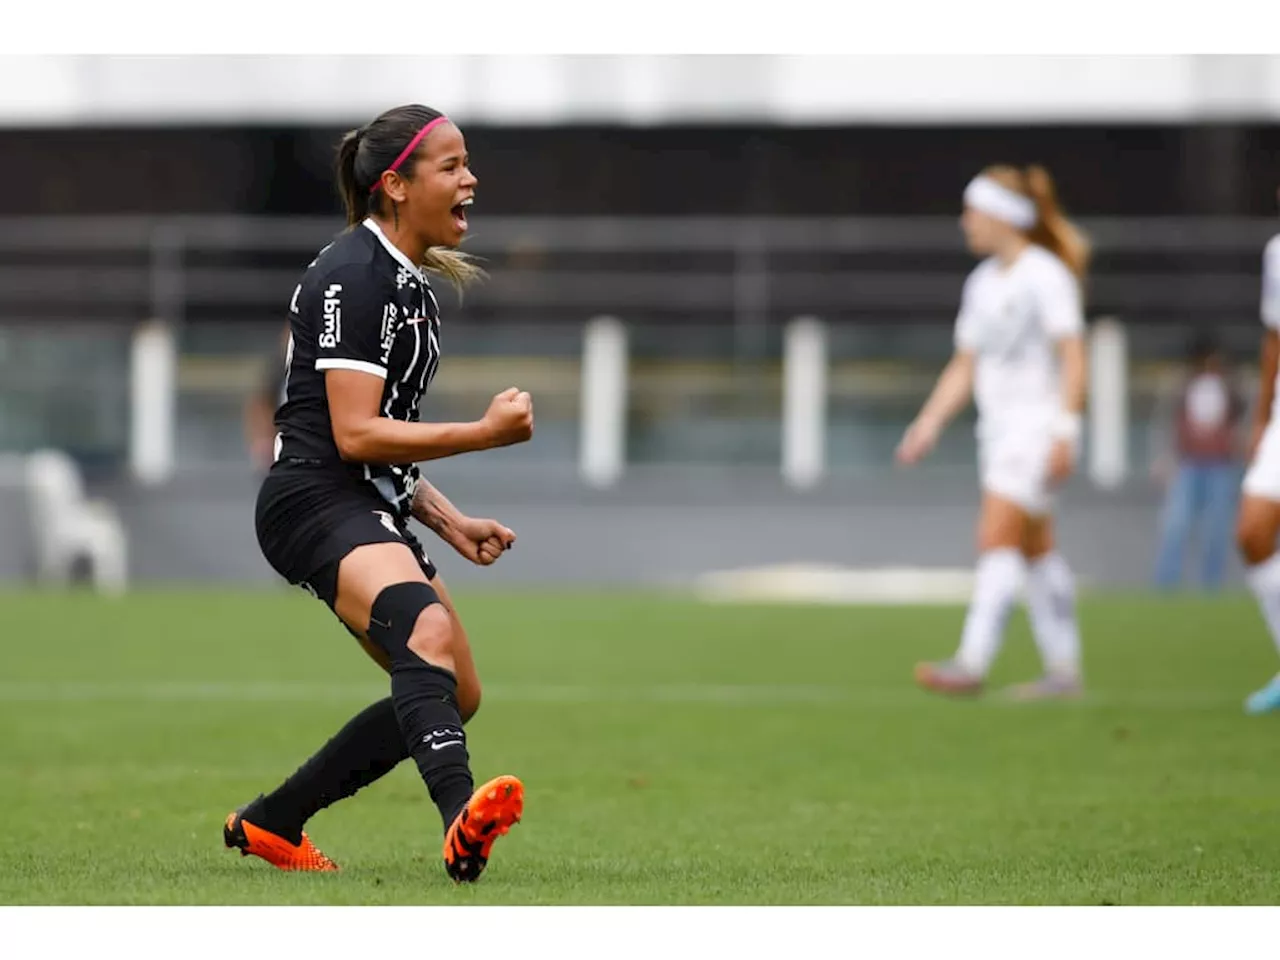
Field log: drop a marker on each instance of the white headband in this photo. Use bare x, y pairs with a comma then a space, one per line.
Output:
989, 197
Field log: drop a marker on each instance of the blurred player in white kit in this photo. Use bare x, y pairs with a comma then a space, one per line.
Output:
1259, 520
1019, 350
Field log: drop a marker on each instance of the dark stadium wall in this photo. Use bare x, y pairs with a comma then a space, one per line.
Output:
726, 170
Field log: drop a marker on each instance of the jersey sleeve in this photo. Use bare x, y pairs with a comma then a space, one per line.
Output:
1058, 296
1271, 284
966, 335
353, 309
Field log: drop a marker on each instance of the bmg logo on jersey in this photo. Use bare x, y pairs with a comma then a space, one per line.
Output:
389, 313
332, 333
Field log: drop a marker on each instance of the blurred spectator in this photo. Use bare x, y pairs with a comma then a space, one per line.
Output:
1200, 466
261, 405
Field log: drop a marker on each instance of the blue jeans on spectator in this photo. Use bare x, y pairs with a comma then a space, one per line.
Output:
1204, 491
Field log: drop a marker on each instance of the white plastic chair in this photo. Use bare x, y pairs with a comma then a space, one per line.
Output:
66, 527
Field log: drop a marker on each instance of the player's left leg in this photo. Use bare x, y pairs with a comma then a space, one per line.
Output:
404, 614
463, 660
494, 806
1051, 605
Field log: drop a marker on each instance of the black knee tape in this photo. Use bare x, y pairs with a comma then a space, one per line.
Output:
395, 611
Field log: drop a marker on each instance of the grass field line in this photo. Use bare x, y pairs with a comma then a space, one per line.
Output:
236, 691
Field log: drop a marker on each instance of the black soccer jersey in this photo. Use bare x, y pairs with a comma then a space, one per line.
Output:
362, 305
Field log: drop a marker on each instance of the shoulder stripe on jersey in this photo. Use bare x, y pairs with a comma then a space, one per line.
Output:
392, 249
337, 363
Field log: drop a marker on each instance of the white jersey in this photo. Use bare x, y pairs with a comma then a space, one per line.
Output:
1011, 319
1263, 477
1271, 299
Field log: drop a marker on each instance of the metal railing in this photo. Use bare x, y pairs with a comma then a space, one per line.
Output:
705, 302
748, 273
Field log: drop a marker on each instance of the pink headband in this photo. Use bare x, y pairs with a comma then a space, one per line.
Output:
408, 150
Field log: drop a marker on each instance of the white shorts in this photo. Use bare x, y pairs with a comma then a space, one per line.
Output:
1263, 476
1016, 467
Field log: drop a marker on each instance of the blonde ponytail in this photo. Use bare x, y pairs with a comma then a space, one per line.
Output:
1053, 230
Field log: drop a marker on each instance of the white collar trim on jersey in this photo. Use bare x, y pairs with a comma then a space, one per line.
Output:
392, 248
996, 200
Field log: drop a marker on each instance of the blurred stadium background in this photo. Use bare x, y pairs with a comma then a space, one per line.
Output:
727, 281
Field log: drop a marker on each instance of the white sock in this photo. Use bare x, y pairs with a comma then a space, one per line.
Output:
1051, 603
998, 582
1264, 581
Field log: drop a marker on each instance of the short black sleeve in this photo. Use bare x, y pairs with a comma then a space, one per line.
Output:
356, 314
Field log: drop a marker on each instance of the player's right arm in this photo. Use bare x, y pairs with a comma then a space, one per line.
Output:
1270, 361
950, 395
952, 391
353, 350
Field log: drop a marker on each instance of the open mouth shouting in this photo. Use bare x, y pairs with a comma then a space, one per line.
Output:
459, 212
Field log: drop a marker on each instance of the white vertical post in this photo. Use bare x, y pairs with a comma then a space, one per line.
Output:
153, 399
603, 419
804, 402
1108, 403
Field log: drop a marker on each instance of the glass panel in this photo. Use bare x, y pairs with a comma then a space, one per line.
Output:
65, 385
700, 395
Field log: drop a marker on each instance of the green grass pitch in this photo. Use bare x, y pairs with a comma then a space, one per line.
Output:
672, 753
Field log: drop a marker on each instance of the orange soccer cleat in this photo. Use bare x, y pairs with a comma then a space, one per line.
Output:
248, 838
492, 811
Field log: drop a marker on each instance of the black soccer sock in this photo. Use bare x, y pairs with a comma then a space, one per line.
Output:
425, 698
368, 747
426, 704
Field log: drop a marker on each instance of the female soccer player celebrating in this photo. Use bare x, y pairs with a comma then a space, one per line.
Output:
1019, 350
332, 512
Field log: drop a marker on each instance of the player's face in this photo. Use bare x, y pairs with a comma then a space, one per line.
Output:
982, 232
442, 188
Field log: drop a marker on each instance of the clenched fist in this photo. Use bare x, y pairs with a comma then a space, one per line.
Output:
509, 418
